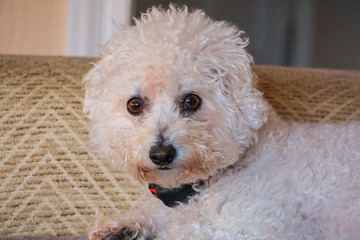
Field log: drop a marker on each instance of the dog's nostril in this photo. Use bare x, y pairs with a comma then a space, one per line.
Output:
162, 154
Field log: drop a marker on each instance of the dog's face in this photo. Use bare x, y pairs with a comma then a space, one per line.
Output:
173, 99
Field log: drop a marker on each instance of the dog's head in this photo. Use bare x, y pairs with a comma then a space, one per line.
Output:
174, 99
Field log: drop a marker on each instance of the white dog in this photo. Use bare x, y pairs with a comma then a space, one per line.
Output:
174, 102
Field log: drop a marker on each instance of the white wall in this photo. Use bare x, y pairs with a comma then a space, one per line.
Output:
91, 22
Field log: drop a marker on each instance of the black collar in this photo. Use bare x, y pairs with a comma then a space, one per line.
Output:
172, 197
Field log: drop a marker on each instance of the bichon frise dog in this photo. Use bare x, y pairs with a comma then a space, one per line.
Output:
174, 102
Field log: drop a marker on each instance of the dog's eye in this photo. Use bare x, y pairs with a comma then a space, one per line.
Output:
135, 106
192, 102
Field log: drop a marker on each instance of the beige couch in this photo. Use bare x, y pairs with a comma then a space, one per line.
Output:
50, 185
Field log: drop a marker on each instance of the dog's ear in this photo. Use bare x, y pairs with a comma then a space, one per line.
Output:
249, 101
230, 67
247, 109
93, 83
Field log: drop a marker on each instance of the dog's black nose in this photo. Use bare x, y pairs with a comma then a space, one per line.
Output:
162, 154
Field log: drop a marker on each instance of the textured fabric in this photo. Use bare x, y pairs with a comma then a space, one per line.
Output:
50, 185
82, 237
311, 95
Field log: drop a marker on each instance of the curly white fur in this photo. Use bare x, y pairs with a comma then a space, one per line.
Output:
266, 178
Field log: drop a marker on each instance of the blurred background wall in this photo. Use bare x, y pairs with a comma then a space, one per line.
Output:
314, 33
33, 27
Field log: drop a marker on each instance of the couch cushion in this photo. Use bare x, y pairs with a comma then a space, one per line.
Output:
311, 95
50, 185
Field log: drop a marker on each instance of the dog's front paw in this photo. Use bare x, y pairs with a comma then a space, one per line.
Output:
123, 234
115, 234
116, 230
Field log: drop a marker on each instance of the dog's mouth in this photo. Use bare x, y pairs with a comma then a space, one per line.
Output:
161, 168
146, 171
169, 175
159, 174
164, 168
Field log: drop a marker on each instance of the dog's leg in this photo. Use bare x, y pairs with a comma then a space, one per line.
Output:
107, 232
123, 234
123, 228
143, 223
